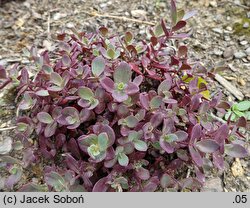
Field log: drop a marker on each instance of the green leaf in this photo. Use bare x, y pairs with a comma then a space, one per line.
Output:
111, 53
238, 113
233, 117
122, 73
22, 127
155, 102
140, 145
128, 37
45, 118
133, 135
98, 66
131, 121
85, 93
103, 141
93, 103
55, 180
243, 106
173, 12
170, 138
247, 115
42, 93
56, 79
123, 159
158, 30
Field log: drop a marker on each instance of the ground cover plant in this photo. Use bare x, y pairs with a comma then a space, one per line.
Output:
115, 114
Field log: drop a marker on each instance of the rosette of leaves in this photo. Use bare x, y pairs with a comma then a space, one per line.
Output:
238, 110
121, 87
95, 145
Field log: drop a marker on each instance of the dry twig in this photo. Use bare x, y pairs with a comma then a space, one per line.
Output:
95, 14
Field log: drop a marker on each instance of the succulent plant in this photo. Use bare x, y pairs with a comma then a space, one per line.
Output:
116, 114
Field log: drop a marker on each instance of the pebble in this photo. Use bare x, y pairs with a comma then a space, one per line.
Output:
213, 185
243, 42
218, 30
246, 25
218, 52
213, 3
248, 15
138, 13
239, 55
248, 51
228, 53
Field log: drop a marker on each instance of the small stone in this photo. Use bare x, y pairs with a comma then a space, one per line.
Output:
239, 55
213, 185
246, 25
237, 169
229, 28
248, 51
227, 38
243, 42
242, 82
248, 15
213, 3
218, 52
228, 53
103, 5
138, 13
218, 30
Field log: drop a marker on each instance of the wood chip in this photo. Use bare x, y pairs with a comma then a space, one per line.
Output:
232, 89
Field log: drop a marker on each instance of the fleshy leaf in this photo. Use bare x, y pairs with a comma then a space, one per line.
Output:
122, 73
140, 145
165, 181
236, 150
44, 117
123, 159
131, 121
55, 180
207, 145
98, 66
103, 141
85, 93
56, 79
196, 156
155, 102
242, 106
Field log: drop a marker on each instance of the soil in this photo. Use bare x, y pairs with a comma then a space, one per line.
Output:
221, 39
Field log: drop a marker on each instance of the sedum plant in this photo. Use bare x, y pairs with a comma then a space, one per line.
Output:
110, 113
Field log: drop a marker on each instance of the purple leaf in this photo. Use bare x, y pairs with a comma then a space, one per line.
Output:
196, 156
182, 135
66, 60
132, 88
142, 173
179, 25
218, 160
107, 84
151, 185
144, 100
236, 150
195, 134
207, 146
3, 74
166, 146
101, 185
